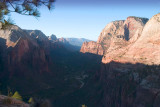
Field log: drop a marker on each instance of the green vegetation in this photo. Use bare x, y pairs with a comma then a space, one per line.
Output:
31, 101
17, 96
23, 7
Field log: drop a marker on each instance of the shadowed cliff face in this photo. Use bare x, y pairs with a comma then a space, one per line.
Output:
38, 67
22, 53
129, 85
118, 85
128, 76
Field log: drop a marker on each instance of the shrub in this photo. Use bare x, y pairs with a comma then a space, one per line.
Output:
17, 96
31, 101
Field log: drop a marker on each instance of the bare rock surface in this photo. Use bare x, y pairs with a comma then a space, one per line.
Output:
144, 50
116, 35
14, 102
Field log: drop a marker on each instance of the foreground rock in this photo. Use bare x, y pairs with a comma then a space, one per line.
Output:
11, 102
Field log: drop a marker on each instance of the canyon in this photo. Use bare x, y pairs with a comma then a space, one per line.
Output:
130, 65
120, 69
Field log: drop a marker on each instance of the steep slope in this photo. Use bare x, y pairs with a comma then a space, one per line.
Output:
42, 68
147, 47
92, 47
144, 50
22, 50
118, 34
24, 60
130, 75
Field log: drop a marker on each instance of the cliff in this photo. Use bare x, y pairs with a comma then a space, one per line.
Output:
144, 50
117, 34
130, 66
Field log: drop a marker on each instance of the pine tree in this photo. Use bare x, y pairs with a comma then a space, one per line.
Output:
23, 7
17, 96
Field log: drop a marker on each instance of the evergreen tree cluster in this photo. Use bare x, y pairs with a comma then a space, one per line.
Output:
23, 7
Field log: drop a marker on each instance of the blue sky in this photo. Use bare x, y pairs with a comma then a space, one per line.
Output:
85, 18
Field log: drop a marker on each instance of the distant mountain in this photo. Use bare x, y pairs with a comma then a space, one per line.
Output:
68, 45
122, 71
72, 44
77, 41
52, 37
37, 66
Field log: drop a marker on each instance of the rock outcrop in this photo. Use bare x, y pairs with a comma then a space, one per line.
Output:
130, 65
92, 47
144, 50
118, 34
20, 51
11, 102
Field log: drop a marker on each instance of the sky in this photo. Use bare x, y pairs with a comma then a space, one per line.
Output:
85, 18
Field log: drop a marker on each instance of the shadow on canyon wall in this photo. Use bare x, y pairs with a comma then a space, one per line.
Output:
76, 78
125, 85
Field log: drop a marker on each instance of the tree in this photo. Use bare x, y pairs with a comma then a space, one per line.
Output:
23, 7
17, 96
30, 101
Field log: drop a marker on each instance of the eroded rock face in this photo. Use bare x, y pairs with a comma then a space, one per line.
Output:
20, 51
118, 34
129, 85
130, 74
144, 50
92, 47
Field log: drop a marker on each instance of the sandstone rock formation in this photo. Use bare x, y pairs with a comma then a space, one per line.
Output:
144, 50
92, 47
22, 51
130, 69
118, 34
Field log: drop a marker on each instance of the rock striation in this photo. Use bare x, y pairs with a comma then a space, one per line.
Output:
92, 47
144, 50
130, 65
23, 51
118, 34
